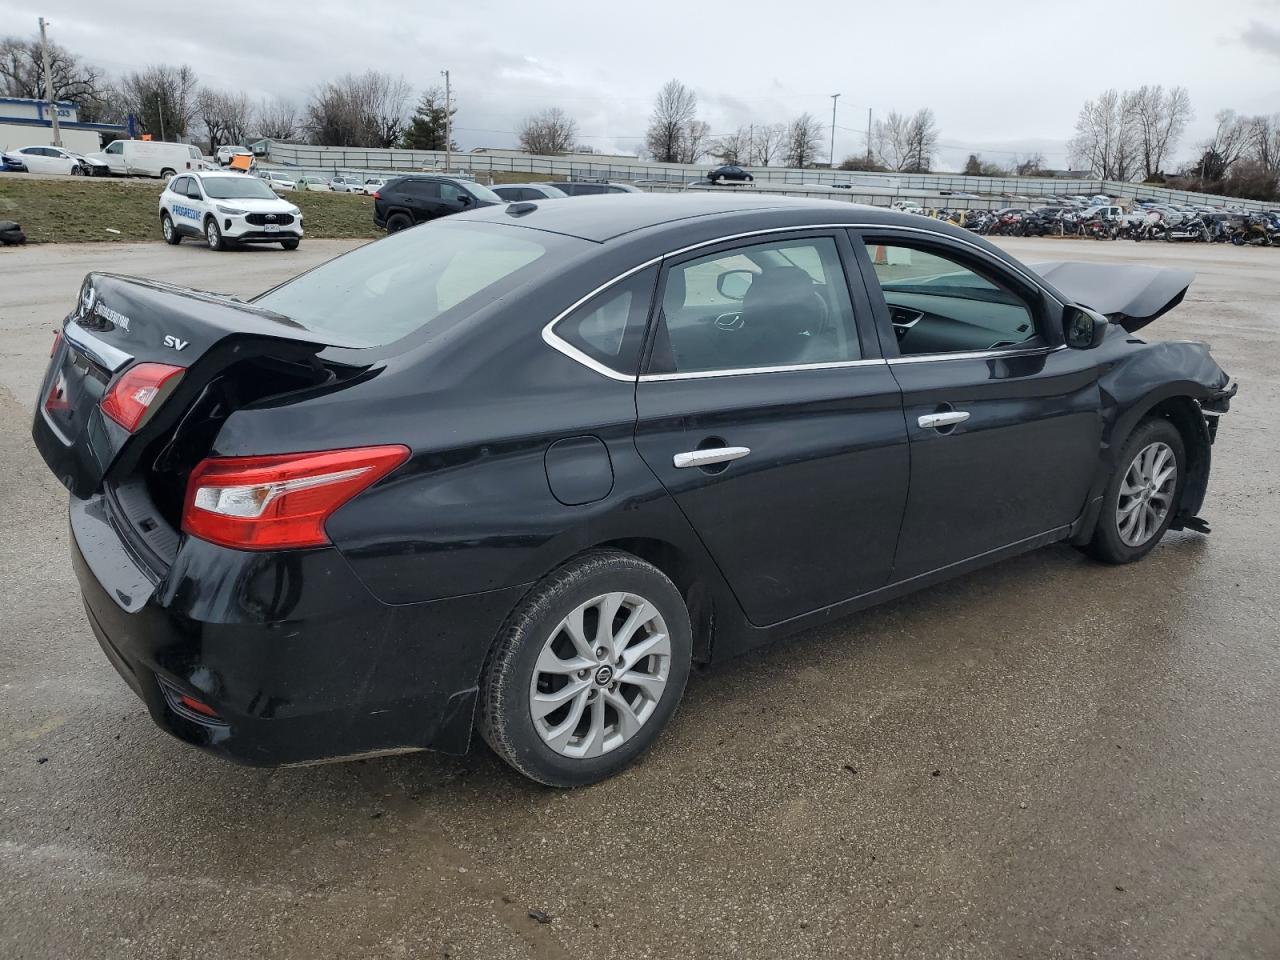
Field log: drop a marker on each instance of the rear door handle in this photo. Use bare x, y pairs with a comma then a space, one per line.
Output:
710, 456
948, 418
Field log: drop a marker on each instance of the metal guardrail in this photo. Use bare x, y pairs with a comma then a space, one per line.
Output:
925, 189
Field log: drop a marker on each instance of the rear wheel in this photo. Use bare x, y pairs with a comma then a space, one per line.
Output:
1142, 497
167, 172
169, 231
587, 670
397, 222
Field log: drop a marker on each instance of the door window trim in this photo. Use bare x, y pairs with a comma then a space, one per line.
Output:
854, 236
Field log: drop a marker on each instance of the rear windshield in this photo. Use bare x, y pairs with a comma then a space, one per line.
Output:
386, 290
232, 188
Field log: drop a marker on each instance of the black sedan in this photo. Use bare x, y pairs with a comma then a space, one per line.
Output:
729, 171
516, 470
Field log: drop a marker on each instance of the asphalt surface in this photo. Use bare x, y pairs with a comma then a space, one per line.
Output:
1047, 759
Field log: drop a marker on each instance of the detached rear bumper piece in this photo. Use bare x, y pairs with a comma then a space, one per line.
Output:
282, 658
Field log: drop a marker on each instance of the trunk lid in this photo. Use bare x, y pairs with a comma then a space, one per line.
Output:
1132, 295
120, 322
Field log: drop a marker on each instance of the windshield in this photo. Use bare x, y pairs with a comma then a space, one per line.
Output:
234, 188
386, 290
481, 193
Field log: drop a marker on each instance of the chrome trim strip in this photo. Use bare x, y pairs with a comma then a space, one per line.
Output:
749, 371
978, 355
573, 353
709, 457
97, 349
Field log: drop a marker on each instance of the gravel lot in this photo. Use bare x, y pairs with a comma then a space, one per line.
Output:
1048, 759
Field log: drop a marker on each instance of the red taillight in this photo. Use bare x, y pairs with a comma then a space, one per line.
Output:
281, 501
376, 195
57, 342
134, 391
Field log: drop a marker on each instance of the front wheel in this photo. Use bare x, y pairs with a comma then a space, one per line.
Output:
213, 236
1143, 495
587, 670
290, 244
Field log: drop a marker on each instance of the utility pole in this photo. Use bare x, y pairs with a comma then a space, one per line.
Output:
448, 123
48, 83
834, 97
160, 110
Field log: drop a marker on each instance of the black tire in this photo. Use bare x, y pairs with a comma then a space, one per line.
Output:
213, 235
504, 716
1107, 545
290, 244
168, 172
750, 178
397, 222
169, 231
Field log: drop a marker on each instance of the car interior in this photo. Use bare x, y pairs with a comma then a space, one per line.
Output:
937, 305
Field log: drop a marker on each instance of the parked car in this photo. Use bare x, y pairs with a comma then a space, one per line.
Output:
12, 163
225, 154
465, 478
528, 191
225, 209
42, 159
587, 188
278, 181
403, 201
318, 184
149, 158
372, 185
345, 183
729, 171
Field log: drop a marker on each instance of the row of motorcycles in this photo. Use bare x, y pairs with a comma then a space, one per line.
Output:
1241, 229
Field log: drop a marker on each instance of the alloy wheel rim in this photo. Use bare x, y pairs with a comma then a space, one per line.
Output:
212, 234
600, 675
168, 228
1146, 493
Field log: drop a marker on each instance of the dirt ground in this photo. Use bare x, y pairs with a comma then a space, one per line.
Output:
1047, 759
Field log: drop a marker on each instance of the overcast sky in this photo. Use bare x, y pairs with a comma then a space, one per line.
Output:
1002, 76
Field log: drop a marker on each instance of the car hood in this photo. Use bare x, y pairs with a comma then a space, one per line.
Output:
256, 205
1129, 294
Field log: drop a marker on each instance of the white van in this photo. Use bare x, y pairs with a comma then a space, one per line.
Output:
150, 158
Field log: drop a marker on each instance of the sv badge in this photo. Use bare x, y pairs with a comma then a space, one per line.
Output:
172, 341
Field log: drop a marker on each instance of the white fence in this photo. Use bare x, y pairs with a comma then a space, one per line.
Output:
929, 190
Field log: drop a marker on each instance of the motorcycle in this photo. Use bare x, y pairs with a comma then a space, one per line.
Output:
1192, 228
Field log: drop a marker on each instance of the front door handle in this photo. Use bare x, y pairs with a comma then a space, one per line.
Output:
947, 418
710, 456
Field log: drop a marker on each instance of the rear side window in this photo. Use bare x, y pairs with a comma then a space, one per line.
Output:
609, 328
384, 291
421, 189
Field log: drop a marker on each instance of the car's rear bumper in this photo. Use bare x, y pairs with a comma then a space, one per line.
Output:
300, 662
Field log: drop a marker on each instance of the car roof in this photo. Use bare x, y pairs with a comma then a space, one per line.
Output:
606, 216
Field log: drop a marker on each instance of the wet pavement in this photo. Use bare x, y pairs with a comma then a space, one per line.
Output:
1046, 759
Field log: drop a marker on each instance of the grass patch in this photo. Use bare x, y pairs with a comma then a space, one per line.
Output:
76, 211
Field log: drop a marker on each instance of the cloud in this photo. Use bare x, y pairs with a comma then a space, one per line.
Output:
1262, 38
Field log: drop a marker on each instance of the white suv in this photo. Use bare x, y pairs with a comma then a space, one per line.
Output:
225, 153
227, 208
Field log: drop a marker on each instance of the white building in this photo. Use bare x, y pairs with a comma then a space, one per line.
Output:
27, 123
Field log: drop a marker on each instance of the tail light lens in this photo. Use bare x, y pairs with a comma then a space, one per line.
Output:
279, 502
376, 195
134, 393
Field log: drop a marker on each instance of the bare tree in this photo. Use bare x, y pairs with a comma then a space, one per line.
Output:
891, 140
674, 109
696, 139
1160, 116
1264, 134
359, 111
550, 132
804, 136
277, 119
22, 75
1107, 140
922, 142
163, 98
768, 144
226, 117
1231, 139
732, 147
1029, 166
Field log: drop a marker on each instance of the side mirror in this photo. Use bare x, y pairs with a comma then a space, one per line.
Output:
1083, 328
734, 284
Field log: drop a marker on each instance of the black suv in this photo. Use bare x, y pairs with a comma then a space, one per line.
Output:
404, 201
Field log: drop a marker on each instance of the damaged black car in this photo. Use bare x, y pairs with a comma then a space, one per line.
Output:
514, 471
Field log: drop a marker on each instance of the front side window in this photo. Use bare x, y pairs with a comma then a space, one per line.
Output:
778, 304
609, 328
938, 304
115, 148
451, 193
